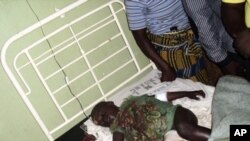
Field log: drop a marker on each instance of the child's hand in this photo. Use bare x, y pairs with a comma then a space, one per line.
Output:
195, 94
190, 94
89, 137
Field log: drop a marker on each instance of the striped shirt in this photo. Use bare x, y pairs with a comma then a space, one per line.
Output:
212, 34
158, 16
247, 8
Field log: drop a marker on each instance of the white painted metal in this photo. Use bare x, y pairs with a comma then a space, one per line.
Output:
36, 62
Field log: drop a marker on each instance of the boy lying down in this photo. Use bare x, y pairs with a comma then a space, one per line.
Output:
145, 118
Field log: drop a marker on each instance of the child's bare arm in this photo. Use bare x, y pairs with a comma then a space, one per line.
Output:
118, 136
180, 94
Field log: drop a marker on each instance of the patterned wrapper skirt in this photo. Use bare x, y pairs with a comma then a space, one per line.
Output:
182, 51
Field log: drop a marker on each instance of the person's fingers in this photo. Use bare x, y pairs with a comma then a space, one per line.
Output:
195, 97
201, 93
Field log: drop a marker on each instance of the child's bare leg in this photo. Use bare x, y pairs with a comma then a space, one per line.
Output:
186, 125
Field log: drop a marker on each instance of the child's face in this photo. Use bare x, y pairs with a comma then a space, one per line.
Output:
106, 115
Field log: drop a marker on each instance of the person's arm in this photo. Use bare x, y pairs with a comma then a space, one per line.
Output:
233, 16
168, 73
117, 136
180, 94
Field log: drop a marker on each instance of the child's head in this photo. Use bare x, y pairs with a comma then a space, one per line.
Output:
104, 113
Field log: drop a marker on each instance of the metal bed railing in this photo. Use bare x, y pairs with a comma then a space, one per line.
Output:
16, 70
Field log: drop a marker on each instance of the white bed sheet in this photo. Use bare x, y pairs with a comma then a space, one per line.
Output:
151, 84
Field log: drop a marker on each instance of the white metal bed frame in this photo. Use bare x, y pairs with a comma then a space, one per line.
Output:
17, 77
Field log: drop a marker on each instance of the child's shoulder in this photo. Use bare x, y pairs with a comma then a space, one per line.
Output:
133, 100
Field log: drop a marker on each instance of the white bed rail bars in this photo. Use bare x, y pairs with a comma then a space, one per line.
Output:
26, 62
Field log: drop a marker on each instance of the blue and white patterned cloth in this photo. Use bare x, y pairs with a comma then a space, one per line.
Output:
212, 34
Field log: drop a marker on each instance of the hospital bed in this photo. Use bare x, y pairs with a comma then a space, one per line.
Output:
82, 54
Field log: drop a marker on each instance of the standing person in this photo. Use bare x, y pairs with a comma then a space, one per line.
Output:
162, 31
236, 17
206, 14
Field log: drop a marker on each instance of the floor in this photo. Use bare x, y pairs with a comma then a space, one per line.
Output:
74, 134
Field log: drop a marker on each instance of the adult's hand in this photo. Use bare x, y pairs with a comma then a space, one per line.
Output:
142, 40
242, 43
168, 74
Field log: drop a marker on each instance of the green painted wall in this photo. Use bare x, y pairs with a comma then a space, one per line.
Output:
16, 121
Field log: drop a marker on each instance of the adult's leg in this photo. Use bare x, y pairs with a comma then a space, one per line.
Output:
186, 125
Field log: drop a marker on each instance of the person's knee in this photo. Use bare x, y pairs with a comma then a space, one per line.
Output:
184, 130
184, 115
185, 122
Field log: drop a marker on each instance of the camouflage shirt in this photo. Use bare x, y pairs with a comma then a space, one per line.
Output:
144, 118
